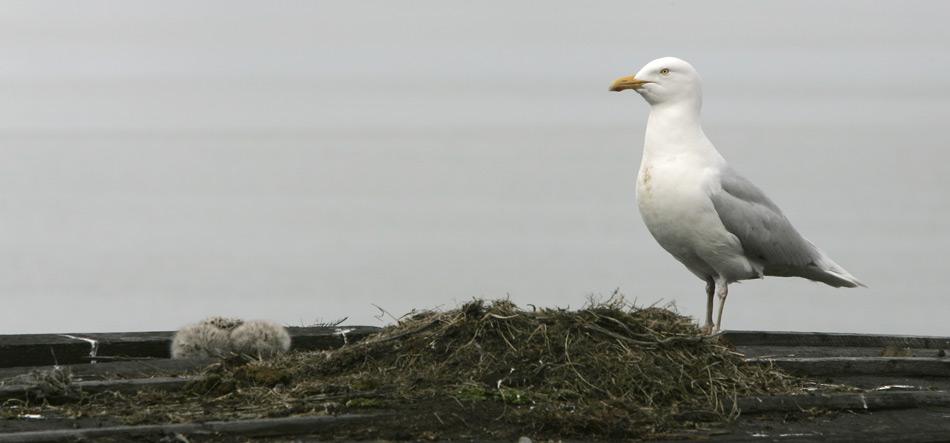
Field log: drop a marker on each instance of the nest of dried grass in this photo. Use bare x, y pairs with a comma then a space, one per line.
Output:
609, 370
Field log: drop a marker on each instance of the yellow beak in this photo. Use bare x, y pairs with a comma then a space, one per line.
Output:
628, 82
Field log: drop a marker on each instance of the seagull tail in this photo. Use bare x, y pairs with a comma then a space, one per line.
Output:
833, 274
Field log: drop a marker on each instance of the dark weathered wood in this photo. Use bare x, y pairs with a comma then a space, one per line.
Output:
288, 426
319, 338
40, 349
876, 382
133, 385
97, 386
119, 369
50, 349
821, 366
852, 401
831, 358
886, 426
770, 338
831, 351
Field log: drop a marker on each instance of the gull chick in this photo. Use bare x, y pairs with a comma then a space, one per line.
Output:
260, 339
710, 218
222, 337
210, 338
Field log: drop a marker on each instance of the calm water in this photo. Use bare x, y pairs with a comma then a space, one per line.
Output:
303, 165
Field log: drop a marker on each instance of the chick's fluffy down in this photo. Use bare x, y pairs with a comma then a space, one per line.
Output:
220, 337
201, 340
260, 339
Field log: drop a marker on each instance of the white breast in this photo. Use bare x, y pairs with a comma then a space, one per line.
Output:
673, 197
671, 200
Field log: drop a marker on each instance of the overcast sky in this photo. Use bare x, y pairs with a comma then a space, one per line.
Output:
164, 161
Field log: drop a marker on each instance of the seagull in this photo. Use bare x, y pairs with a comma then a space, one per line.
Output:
716, 222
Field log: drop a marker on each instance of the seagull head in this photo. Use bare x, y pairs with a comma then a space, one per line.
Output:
664, 80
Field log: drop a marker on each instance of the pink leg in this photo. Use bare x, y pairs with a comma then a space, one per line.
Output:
710, 291
722, 291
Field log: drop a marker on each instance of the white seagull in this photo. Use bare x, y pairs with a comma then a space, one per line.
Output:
710, 218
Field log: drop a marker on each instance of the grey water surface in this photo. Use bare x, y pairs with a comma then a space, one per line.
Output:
305, 161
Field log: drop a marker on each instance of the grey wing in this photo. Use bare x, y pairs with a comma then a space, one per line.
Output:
766, 235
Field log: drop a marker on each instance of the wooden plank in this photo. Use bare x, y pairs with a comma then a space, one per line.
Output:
321, 338
268, 427
119, 369
97, 386
782, 338
50, 349
881, 426
876, 382
823, 366
41, 349
832, 351
845, 401
133, 385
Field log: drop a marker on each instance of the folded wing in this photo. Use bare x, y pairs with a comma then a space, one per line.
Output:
768, 238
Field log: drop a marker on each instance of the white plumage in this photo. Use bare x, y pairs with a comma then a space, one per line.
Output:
710, 218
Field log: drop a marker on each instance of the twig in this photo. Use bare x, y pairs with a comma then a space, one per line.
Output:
620, 337
383, 313
331, 324
570, 364
432, 323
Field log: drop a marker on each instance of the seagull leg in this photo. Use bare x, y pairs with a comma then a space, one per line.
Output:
710, 290
722, 290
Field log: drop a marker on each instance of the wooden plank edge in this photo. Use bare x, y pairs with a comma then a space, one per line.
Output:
820, 366
58, 349
835, 351
868, 401
285, 426
97, 386
120, 369
107, 338
789, 338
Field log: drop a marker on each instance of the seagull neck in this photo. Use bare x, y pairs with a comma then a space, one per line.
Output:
675, 128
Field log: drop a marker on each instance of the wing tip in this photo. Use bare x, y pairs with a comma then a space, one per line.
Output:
840, 278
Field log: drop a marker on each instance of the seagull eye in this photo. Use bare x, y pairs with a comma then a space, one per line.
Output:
665, 71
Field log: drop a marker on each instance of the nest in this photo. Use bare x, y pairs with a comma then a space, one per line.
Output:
608, 370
